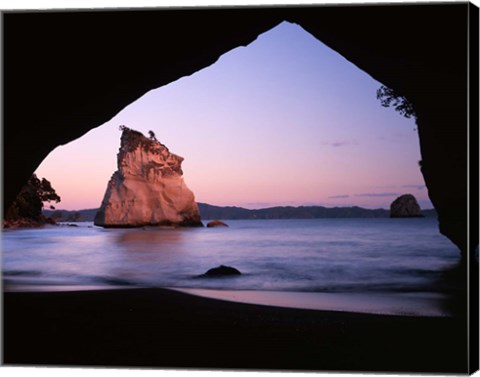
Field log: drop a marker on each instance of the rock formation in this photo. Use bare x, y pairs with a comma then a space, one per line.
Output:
147, 188
405, 206
216, 223
222, 271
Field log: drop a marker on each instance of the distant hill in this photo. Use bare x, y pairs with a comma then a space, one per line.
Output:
62, 215
311, 212
210, 212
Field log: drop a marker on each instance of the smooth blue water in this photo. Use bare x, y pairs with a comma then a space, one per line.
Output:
355, 256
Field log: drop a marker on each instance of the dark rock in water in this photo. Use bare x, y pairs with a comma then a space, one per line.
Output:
222, 271
405, 206
215, 223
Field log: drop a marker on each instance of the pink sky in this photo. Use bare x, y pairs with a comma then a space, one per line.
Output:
284, 121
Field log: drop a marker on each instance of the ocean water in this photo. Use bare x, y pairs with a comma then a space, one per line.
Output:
390, 266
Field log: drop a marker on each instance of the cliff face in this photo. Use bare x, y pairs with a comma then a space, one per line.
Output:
148, 187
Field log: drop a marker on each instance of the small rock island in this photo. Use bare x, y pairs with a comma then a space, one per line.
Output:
216, 224
221, 271
147, 188
405, 206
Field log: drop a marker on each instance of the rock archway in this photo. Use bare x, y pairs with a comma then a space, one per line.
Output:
66, 73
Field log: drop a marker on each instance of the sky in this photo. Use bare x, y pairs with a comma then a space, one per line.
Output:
283, 121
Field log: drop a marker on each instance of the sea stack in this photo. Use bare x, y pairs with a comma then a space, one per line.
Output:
147, 188
405, 206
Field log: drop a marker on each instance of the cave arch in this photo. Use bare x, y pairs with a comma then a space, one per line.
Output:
54, 92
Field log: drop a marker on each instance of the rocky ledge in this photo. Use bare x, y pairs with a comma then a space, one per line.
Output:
147, 188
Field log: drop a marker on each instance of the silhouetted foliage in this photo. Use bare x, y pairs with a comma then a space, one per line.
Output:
29, 202
151, 135
388, 98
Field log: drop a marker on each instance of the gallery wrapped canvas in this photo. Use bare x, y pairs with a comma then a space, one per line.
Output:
330, 221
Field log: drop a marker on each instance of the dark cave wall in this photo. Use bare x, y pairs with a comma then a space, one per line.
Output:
66, 73
421, 52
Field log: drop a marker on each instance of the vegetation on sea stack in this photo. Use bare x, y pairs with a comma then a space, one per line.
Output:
26, 210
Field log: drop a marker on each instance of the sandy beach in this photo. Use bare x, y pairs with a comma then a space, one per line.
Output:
164, 328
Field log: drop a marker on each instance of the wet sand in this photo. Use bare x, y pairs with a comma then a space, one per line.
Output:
169, 329
405, 304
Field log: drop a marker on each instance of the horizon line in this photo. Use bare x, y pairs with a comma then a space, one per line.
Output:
252, 209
